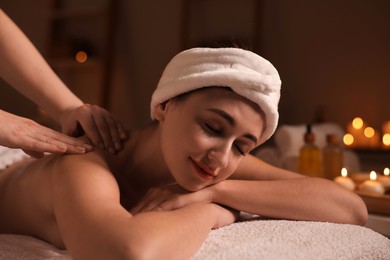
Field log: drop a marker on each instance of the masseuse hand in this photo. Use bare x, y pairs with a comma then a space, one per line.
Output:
171, 197
35, 139
98, 124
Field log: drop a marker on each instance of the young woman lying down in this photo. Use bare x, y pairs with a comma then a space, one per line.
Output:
186, 173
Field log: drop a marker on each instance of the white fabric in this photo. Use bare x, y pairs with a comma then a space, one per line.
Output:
245, 72
9, 156
282, 239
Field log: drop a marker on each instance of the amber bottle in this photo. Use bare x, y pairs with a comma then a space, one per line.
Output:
310, 156
332, 157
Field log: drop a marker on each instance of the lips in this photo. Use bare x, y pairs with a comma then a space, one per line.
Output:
202, 170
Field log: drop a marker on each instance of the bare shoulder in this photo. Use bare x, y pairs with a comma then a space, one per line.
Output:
86, 197
253, 168
87, 173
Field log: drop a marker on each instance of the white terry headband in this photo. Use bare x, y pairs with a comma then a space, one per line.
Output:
245, 72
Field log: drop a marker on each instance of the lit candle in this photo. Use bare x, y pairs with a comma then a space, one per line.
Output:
372, 186
356, 130
385, 179
344, 180
372, 137
386, 140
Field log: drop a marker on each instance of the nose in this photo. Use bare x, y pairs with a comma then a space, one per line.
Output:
219, 156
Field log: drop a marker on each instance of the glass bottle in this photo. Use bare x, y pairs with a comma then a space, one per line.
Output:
310, 156
332, 157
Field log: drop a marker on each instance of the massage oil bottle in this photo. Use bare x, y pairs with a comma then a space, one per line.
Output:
310, 156
332, 157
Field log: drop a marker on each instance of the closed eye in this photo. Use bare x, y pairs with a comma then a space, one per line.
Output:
241, 152
212, 130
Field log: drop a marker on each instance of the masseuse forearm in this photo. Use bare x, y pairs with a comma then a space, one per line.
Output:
301, 199
23, 67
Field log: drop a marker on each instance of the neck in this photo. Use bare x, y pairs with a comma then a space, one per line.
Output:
146, 165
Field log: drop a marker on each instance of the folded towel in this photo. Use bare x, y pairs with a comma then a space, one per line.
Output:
245, 72
281, 239
8, 156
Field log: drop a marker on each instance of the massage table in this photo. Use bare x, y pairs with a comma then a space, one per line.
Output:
251, 237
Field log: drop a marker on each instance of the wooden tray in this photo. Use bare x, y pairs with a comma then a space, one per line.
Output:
379, 204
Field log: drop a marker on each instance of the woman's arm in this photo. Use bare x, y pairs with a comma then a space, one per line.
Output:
35, 139
94, 225
24, 68
260, 188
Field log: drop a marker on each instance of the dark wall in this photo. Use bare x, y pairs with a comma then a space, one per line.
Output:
333, 56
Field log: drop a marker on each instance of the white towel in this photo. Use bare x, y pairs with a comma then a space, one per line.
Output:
282, 239
8, 156
245, 72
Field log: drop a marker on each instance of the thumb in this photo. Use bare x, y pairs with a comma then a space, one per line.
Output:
73, 129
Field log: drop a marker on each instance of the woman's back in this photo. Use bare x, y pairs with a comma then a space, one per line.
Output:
25, 200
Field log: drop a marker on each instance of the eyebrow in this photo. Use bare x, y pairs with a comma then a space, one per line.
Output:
231, 122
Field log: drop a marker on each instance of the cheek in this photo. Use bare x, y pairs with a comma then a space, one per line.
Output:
180, 140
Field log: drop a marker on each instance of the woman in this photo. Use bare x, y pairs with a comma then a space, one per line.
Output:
23, 68
186, 173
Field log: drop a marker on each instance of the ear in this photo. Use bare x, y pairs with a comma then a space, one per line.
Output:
161, 111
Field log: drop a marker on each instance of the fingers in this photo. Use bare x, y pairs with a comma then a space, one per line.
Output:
37, 145
100, 126
107, 131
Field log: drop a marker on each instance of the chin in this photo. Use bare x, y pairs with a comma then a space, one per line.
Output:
192, 188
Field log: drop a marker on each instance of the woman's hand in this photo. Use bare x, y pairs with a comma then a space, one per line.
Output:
98, 124
35, 139
171, 197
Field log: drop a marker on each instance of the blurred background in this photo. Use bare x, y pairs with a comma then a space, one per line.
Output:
333, 56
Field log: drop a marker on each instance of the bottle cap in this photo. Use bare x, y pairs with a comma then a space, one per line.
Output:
309, 136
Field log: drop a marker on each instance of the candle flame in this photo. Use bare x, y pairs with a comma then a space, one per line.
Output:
348, 139
357, 122
386, 171
369, 132
373, 175
344, 172
386, 139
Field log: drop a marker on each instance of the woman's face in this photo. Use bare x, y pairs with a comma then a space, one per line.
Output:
205, 135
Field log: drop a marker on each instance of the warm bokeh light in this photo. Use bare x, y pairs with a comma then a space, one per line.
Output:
81, 56
373, 175
386, 139
344, 172
357, 122
348, 139
369, 132
386, 127
386, 171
